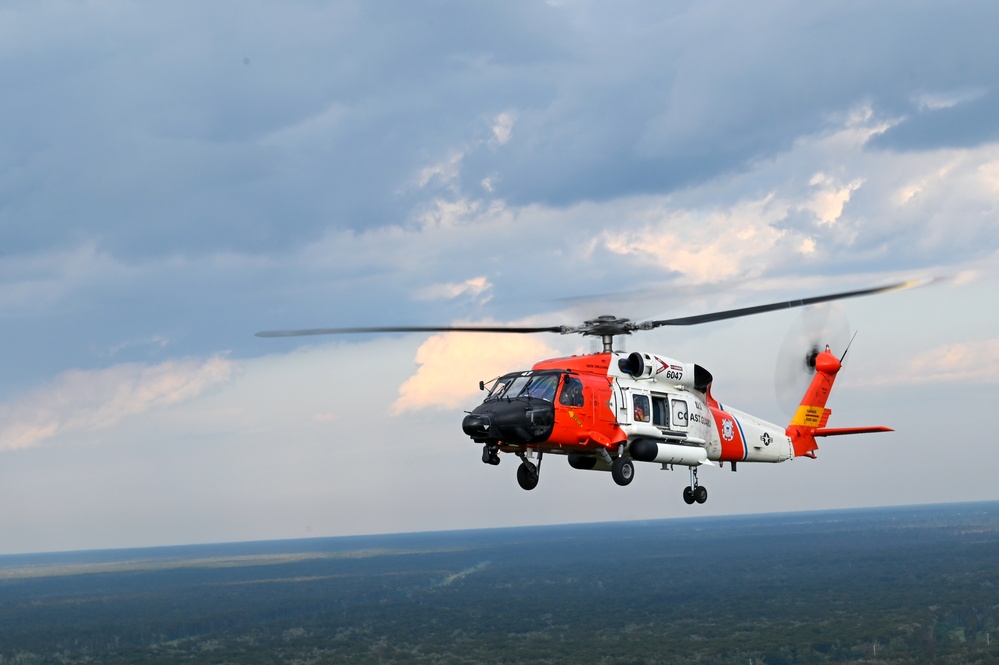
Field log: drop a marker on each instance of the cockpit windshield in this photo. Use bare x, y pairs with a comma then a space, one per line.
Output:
499, 387
539, 386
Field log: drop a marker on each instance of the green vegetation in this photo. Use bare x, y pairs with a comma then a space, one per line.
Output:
915, 585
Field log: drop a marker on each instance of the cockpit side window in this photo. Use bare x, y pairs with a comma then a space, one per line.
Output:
507, 386
572, 392
499, 387
542, 386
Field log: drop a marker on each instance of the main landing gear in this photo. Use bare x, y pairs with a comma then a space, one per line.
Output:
528, 473
694, 492
622, 468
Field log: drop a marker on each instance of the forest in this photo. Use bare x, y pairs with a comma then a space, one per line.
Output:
891, 585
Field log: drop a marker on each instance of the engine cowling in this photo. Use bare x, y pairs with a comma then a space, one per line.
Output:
665, 370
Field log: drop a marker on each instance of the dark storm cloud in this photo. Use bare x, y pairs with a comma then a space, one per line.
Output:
723, 85
187, 127
173, 128
966, 124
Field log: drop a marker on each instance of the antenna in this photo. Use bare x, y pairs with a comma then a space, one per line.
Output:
848, 346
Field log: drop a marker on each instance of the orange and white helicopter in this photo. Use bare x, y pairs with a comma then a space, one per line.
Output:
607, 410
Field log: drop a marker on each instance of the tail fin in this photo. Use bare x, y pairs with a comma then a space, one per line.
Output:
812, 415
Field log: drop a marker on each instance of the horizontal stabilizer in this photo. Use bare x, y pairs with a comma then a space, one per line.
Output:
839, 431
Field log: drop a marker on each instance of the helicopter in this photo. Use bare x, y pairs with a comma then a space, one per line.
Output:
607, 410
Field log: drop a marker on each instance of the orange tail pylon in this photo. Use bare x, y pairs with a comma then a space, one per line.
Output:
810, 420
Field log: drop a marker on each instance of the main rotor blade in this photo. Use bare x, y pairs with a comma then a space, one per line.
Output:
396, 329
759, 309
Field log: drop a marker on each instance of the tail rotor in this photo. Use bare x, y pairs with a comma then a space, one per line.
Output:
816, 328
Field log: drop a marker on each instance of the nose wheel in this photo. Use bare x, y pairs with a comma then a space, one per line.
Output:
694, 492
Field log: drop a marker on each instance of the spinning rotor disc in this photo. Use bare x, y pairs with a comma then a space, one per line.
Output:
814, 329
605, 327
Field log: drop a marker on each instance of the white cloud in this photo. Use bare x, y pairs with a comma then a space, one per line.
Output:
705, 246
445, 213
503, 127
828, 201
476, 286
934, 101
84, 401
964, 363
444, 172
989, 172
452, 364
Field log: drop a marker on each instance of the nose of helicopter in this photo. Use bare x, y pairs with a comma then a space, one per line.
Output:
476, 425
516, 421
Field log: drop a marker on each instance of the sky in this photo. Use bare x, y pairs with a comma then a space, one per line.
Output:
175, 177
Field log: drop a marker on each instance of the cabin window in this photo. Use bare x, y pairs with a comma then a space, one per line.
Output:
679, 413
642, 412
572, 392
660, 412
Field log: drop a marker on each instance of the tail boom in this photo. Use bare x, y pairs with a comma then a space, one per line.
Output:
810, 420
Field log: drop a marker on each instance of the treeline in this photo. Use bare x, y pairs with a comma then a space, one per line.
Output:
902, 586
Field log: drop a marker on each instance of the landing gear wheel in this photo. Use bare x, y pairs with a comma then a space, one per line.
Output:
623, 470
528, 476
700, 494
688, 496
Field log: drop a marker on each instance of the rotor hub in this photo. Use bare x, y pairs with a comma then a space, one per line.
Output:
603, 326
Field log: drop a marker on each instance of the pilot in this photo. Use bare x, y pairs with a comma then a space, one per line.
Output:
572, 392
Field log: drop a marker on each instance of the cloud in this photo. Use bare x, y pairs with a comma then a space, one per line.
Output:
965, 363
763, 223
452, 364
970, 362
444, 172
86, 401
475, 287
314, 128
160, 140
959, 122
708, 246
503, 127
830, 198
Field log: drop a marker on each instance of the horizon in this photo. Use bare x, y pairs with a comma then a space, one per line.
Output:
493, 529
